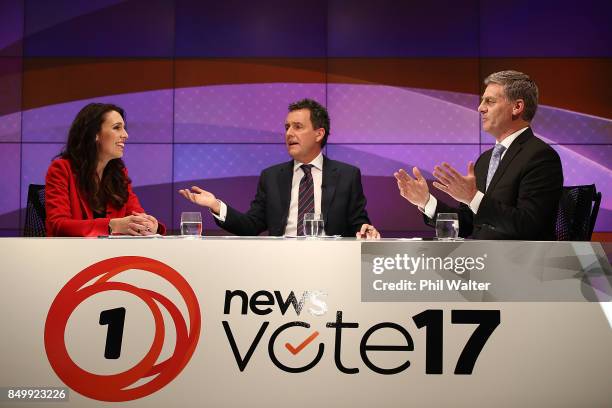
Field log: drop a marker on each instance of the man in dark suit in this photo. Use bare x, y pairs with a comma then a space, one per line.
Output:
513, 190
310, 183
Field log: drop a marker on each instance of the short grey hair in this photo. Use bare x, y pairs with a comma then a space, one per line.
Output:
517, 85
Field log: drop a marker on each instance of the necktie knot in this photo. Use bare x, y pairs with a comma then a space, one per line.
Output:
498, 150
306, 168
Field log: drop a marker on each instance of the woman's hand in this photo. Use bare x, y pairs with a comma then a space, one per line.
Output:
151, 223
135, 224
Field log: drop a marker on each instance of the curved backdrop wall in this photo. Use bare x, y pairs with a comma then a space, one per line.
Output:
206, 88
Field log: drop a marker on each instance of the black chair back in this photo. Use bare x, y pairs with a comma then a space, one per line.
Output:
577, 213
35, 212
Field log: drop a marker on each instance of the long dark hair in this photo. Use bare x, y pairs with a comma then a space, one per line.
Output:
82, 152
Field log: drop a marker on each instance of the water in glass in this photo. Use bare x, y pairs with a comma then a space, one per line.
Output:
314, 225
191, 224
191, 228
447, 226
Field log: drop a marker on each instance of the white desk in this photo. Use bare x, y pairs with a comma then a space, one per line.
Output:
542, 353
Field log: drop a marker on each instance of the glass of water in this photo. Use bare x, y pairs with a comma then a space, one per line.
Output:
191, 224
313, 225
447, 226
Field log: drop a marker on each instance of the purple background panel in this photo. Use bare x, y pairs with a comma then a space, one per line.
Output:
150, 168
466, 100
10, 98
235, 191
149, 117
392, 28
9, 188
597, 154
36, 159
381, 160
106, 28
43, 15
11, 27
386, 114
248, 113
149, 164
545, 28
10, 127
386, 208
157, 200
563, 126
251, 28
208, 161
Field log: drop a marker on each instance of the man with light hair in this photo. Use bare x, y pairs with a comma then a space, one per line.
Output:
513, 190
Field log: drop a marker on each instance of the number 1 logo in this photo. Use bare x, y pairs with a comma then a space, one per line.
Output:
115, 387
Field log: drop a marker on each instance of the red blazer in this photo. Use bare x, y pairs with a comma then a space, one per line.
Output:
69, 214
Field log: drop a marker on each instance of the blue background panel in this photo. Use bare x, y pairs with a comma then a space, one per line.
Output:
272, 28
102, 28
545, 28
397, 28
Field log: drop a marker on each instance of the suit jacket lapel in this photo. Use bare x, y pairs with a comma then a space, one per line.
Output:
328, 186
285, 179
514, 149
481, 171
85, 208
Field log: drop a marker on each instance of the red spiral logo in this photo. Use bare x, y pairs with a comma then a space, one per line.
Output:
114, 387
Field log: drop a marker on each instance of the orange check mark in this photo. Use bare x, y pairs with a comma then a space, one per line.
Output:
300, 347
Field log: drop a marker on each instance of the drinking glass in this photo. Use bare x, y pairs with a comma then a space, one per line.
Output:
313, 225
447, 226
191, 224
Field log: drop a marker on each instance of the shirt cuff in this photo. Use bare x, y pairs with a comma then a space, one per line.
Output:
475, 203
430, 207
222, 211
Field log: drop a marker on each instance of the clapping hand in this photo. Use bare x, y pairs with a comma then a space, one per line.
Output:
461, 188
415, 190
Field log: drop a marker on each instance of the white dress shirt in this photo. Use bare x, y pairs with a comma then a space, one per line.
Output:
298, 173
430, 207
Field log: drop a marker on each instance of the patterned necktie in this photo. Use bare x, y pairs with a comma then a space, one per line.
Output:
305, 198
498, 150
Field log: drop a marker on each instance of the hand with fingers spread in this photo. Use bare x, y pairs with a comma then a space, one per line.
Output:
201, 197
461, 188
367, 231
414, 190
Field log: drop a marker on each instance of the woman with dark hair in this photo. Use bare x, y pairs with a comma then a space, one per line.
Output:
87, 189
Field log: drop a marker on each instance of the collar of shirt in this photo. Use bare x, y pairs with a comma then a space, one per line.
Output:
508, 140
317, 163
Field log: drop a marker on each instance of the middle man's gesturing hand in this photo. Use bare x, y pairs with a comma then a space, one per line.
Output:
201, 197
